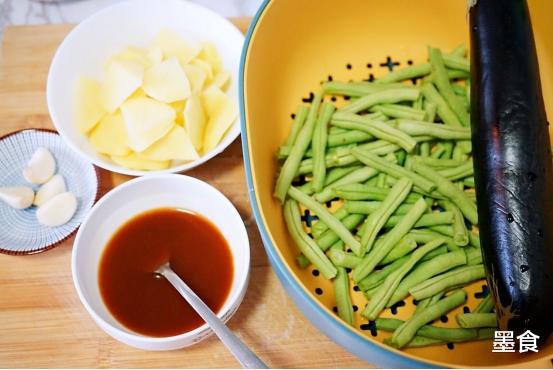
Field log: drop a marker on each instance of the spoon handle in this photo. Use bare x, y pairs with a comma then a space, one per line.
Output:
243, 354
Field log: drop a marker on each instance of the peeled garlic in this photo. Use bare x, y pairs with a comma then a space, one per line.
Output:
41, 167
19, 197
58, 210
54, 186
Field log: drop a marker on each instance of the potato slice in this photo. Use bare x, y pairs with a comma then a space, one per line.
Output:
166, 81
209, 54
147, 121
122, 78
222, 112
178, 106
89, 109
221, 80
195, 120
110, 136
132, 54
139, 93
135, 161
206, 67
173, 45
196, 77
176, 145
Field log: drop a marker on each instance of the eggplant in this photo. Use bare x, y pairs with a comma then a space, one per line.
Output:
513, 167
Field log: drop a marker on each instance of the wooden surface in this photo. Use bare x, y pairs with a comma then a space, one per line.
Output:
42, 321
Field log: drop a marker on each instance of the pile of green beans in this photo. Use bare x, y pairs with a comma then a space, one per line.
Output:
395, 157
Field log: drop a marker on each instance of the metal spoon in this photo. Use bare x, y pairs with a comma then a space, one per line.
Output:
243, 354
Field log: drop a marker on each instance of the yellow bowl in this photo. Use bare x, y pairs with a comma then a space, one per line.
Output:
291, 47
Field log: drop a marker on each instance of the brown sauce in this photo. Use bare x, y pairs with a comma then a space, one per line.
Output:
147, 304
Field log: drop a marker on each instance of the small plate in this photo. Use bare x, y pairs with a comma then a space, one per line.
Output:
20, 232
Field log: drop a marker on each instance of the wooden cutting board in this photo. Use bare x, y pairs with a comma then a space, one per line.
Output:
42, 321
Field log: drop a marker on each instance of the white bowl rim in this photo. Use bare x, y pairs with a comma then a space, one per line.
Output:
229, 138
116, 332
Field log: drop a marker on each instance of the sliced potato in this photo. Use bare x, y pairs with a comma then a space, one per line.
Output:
178, 106
195, 120
110, 136
135, 161
176, 145
139, 93
122, 78
146, 121
209, 54
221, 80
89, 109
172, 45
222, 112
132, 54
155, 55
206, 67
166, 81
196, 77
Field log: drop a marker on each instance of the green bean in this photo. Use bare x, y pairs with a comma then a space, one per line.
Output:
455, 62
474, 239
430, 109
442, 108
381, 180
378, 147
425, 235
458, 154
454, 74
426, 220
376, 220
424, 149
369, 294
299, 119
460, 232
343, 299
378, 129
469, 181
407, 73
444, 87
357, 89
318, 145
359, 175
455, 277
319, 227
377, 277
459, 50
474, 256
402, 248
486, 305
324, 215
400, 111
459, 90
420, 341
366, 192
440, 163
331, 160
446, 230
477, 320
386, 96
449, 190
365, 207
302, 261
426, 270
429, 331
458, 173
439, 149
429, 301
292, 163
393, 170
467, 87
343, 259
405, 333
333, 175
418, 128
373, 258
382, 296
348, 137
417, 104
306, 245
330, 237
336, 130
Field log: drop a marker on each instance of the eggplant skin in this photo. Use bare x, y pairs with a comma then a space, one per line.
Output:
513, 166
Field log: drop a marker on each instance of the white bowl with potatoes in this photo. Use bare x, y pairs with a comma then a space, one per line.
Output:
146, 87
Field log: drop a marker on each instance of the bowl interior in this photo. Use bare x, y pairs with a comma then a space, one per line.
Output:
140, 195
285, 64
86, 49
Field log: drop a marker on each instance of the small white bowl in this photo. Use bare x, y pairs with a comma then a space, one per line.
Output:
137, 196
88, 46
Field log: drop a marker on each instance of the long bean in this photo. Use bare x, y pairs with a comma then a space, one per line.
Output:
407, 73
368, 207
439, 163
429, 331
386, 96
419, 128
367, 192
306, 245
373, 258
425, 235
455, 277
348, 137
377, 277
292, 163
329, 237
458, 173
429, 301
379, 300
486, 305
376, 220
343, 259
357, 89
400, 111
333, 175
377, 129
319, 227
359, 175
446, 230
474, 255
474, 239
299, 119
477, 320
426, 220
456, 62
302, 261
469, 181
318, 145
402, 248
442, 108
460, 232
343, 299
405, 333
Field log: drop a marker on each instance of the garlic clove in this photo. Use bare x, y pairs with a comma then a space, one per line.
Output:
57, 210
41, 167
19, 197
54, 186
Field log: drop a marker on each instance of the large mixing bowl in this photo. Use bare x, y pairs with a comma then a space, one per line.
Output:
291, 47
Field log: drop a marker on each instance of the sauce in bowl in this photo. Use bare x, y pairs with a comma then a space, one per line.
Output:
148, 304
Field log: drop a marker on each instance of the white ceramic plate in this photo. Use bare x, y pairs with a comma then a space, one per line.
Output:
89, 45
